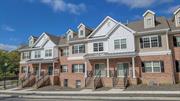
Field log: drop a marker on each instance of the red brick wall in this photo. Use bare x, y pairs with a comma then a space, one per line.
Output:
162, 78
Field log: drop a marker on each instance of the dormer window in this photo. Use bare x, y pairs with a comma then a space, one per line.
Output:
81, 32
70, 37
179, 20
149, 19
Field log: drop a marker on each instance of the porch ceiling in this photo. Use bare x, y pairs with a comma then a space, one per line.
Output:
109, 55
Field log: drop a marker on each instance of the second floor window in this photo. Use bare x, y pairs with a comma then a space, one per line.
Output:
25, 55
78, 68
120, 44
37, 54
48, 53
65, 52
153, 67
176, 41
98, 47
80, 48
150, 41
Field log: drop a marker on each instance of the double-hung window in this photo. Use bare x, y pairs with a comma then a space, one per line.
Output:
37, 54
150, 41
120, 44
48, 53
64, 68
153, 67
98, 47
78, 68
80, 48
25, 55
65, 51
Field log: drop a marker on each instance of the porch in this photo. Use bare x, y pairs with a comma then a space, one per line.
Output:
110, 70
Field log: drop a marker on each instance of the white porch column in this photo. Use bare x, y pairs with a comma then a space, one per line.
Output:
107, 67
133, 67
39, 70
53, 69
85, 74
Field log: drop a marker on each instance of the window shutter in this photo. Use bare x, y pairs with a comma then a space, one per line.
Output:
142, 66
83, 68
72, 49
160, 42
162, 66
61, 69
141, 42
177, 66
174, 41
72, 68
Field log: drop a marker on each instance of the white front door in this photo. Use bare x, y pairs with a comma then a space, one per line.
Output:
122, 69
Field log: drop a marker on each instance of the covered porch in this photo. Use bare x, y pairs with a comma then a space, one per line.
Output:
114, 69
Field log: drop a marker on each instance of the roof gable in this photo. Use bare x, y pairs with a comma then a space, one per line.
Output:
104, 27
149, 11
176, 11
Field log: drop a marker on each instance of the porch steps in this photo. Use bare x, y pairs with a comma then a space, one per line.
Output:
43, 81
119, 83
28, 82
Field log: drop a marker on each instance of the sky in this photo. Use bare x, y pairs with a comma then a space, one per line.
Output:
21, 18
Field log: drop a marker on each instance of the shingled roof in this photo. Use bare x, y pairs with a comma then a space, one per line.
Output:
161, 23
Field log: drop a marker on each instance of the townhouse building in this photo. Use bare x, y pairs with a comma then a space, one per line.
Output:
146, 51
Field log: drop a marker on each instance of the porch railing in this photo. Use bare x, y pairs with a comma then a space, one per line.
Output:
89, 77
97, 80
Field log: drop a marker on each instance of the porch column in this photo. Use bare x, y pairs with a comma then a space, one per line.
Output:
53, 69
107, 67
85, 69
39, 70
133, 67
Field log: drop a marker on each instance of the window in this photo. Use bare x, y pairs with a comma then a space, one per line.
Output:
48, 53
25, 55
64, 68
65, 52
149, 21
98, 47
120, 44
150, 41
178, 66
79, 49
178, 20
177, 41
81, 33
70, 37
78, 68
153, 67
78, 83
37, 54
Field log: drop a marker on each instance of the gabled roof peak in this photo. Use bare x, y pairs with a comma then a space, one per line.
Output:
81, 24
149, 11
176, 11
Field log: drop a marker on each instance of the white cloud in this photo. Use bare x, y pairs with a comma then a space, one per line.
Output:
170, 10
62, 6
7, 47
7, 28
139, 3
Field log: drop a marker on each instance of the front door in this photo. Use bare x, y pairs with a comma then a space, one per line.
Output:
36, 72
50, 69
100, 70
122, 70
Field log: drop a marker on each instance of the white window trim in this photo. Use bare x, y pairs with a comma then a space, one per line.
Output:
152, 67
48, 53
26, 55
128, 67
78, 45
149, 37
98, 47
66, 69
120, 43
78, 70
38, 54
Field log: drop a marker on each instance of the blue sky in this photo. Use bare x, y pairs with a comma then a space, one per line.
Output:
21, 18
